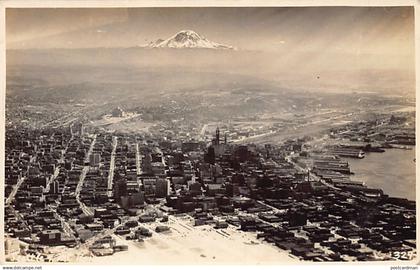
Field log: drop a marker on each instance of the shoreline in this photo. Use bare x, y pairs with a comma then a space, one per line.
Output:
373, 177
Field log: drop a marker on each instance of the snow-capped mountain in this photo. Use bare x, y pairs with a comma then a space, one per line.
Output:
153, 44
187, 39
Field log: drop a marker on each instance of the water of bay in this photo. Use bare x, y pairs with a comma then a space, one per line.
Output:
393, 171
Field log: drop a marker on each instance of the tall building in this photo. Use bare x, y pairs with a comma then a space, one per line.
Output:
162, 188
95, 159
55, 187
219, 149
77, 129
210, 155
120, 189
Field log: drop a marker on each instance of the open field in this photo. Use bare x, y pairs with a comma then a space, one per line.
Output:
196, 245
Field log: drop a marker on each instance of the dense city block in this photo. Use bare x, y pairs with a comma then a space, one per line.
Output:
82, 187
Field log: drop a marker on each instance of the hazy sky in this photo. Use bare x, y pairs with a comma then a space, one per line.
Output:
379, 30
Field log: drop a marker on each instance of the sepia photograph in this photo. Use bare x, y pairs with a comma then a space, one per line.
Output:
179, 135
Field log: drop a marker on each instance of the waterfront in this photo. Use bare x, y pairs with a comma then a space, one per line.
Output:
394, 171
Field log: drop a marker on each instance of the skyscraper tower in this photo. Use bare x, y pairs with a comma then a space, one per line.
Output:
217, 136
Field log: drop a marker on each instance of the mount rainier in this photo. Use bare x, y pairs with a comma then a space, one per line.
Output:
187, 39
